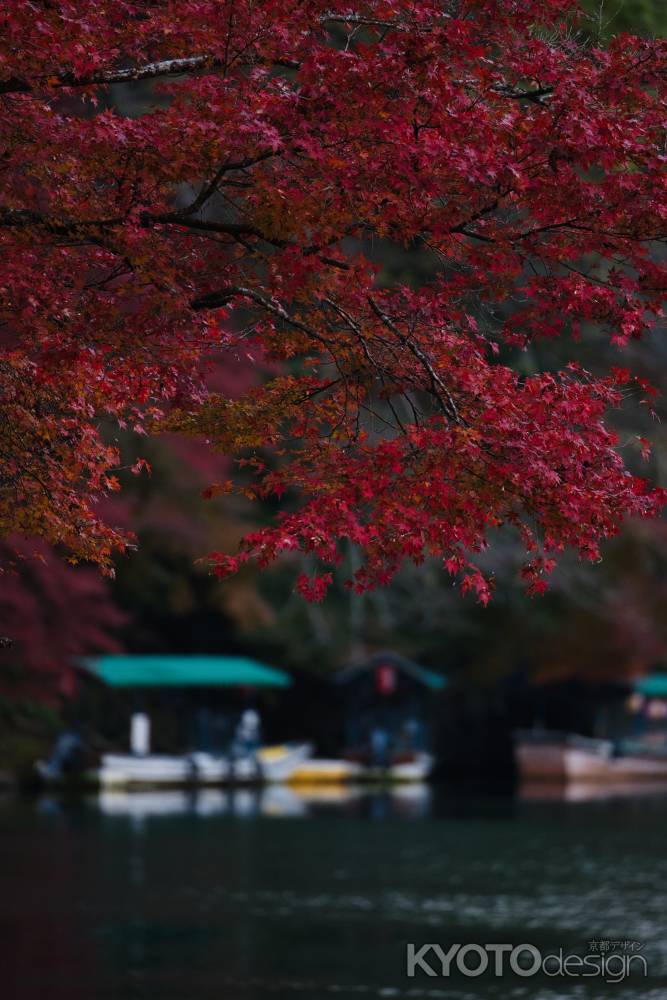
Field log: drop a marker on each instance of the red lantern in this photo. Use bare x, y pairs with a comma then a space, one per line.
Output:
385, 679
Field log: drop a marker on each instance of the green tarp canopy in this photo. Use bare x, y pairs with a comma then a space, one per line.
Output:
185, 671
436, 682
653, 686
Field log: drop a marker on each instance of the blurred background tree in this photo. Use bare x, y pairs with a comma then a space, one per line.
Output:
640, 17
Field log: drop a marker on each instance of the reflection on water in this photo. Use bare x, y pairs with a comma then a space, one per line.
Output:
246, 894
591, 791
274, 800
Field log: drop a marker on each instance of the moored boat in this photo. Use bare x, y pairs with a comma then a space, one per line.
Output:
542, 755
153, 771
414, 767
278, 763
160, 770
322, 771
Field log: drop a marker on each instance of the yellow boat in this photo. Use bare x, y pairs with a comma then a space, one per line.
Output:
324, 772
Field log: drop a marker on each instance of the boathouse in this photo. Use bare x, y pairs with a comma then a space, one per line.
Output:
189, 702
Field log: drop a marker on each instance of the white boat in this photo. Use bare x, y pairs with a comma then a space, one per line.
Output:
160, 770
147, 770
212, 769
409, 768
552, 756
418, 768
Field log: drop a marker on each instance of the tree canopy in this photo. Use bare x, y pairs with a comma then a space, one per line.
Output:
240, 214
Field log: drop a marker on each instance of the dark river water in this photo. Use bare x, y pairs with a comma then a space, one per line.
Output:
168, 895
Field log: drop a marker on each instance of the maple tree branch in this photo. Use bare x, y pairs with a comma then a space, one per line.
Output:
181, 66
537, 96
448, 405
464, 231
204, 225
209, 189
215, 300
462, 227
131, 74
21, 218
363, 20
356, 329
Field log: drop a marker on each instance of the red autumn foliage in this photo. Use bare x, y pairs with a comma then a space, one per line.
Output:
53, 614
239, 214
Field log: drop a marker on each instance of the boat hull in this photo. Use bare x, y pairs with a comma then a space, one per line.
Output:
314, 772
576, 759
278, 764
270, 764
320, 771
